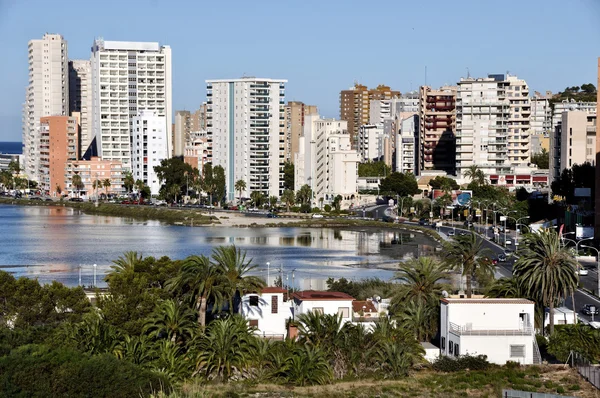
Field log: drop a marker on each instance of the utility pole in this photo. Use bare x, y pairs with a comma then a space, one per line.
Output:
268, 272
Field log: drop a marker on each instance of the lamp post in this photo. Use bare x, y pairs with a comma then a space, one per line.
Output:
452, 217
597, 264
268, 272
95, 266
516, 228
577, 245
506, 217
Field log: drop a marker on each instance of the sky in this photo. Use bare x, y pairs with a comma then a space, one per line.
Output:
320, 47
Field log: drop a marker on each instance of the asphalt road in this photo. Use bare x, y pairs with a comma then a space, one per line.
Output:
505, 269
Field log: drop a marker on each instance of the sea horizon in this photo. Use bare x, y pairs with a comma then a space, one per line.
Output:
11, 147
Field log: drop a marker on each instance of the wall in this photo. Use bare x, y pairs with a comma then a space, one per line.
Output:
330, 307
268, 323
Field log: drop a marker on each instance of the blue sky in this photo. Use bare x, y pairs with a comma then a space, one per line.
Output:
321, 47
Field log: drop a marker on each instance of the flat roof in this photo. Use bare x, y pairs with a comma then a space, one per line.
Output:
486, 301
273, 289
247, 79
315, 295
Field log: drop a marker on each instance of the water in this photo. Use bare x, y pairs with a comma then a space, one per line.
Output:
13, 148
56, 243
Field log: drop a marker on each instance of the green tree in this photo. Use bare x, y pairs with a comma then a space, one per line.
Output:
173, 171
475, 174
288, 197
77, 183
199, 281
547, 268
288, 175
171, 320
14, 167
220, 183
374, 169
337, 202
240, 185
173, 192
128, 182
466, 253
402, 184
6, 178
208, 181
444, 183
304, 194
541, 159
106, 183
421, 281
257, 198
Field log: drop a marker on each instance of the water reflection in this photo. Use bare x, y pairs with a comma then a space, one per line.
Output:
56, 243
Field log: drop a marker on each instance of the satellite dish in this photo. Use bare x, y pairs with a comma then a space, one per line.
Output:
378, 298
444, 294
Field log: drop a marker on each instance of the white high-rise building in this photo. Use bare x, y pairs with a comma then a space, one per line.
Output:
246, 126
374, 144
325, 160
407, 144
47, 94
149, 147
492, 124
570, 105
541, 114
127, 78
80, 98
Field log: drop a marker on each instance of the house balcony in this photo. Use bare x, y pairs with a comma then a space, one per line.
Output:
470, 330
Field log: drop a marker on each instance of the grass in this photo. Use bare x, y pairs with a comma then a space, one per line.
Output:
141, 212
425, 383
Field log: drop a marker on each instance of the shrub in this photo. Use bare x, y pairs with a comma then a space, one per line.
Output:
305, 208
316, 210
471, 362
327, 208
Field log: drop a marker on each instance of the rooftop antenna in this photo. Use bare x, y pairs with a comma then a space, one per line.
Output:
468, 73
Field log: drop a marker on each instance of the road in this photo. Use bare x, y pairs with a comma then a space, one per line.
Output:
505, 269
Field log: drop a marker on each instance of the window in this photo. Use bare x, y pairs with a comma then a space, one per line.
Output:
274, 305
344, 312
318, 310
450, 347
253, 301
443, 343
517, 351
253, 323
456, 350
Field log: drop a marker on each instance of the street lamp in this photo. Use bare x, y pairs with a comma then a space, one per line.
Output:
597, 264
268, 272
505, 217
516, 227
452, 216
95, 275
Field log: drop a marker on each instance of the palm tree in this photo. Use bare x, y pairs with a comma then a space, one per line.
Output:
420, 281
466, 253
476, 175
546, 268
397, 357
232, 264
128, 182
257, 198
199, 281
304, 195
77, 183
288, 197
320, 330
226, 349
172, 320
125, 265
58, 189
306, 365
240, 185
174, 190
106, 183
134, 349
6, 178
96, 185
420, 318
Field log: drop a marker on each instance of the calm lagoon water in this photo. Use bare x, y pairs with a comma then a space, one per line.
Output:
57, 243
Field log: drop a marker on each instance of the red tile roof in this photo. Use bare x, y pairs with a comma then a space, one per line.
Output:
315, 295
486, 301
357, 306
273, 289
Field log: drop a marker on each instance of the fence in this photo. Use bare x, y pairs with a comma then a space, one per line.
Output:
527, 394
588, 371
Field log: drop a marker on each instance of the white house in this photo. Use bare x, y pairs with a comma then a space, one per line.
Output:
502, 329
268, 311
330, 303
562, 316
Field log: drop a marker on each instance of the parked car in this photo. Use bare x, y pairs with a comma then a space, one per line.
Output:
589, 309
76, 200
508, 242
423, 221
451, 233
583, 272
502, 258
317, 215
495, 261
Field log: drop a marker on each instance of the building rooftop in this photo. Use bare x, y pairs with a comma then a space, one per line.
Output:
357, 306
273, 289
486, 301
315, 295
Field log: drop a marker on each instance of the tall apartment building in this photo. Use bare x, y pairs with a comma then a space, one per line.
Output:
437, 125
181, 132
95, 169
59, 144
127, 78
492, 124
407, 144
355, 106
295, 113
325, 160
570, 105
386, 109
196, 152
80, 99
149, 147
246, 133
47, 94
541, 114
579, 138
374, 144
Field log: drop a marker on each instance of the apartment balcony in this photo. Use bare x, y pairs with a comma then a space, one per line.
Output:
590, 129
470, 330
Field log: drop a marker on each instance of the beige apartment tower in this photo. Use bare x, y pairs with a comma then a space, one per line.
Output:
355, 106
295, 113
437, 118
47, 94
578, 139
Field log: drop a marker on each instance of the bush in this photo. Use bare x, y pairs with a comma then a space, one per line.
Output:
327, 208
295, 209
40, 371
316, 210
305, 208
471, 362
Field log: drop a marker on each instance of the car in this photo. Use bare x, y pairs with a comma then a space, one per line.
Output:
494, 261
423, 221
76, 200
49, 200
589, 309
502, 258
508, 242
317, 215
451, 233
583, 271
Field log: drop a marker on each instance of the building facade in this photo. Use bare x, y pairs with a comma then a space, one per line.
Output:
95, 169
47, 94
59, 144
127, 78
196, 152
374, 144
246, 133
355, 106
492, 124
181, 132
149, 147
437, 127
295, 113
407, 144
80, 99
268, 312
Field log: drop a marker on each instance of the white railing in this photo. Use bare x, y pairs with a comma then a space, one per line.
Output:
476, 331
